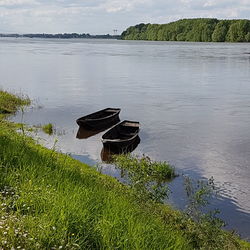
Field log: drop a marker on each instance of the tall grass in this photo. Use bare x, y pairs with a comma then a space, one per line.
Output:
50, 201
9, 103
57, 201
148, 178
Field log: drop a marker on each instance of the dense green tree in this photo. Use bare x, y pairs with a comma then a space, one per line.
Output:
220, 31
247, 37
238, 31
152, 31
195, 30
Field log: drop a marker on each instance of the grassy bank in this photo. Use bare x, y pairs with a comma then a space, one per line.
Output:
9, 103
48, 200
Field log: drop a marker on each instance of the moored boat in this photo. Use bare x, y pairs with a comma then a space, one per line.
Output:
121, 135
100, 119
107, 153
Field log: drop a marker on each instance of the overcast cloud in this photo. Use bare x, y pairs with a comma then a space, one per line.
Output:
103, 16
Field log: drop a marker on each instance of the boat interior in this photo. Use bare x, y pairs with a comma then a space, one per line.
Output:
102, 113
124, 131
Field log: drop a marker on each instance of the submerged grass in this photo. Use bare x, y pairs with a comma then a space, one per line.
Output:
50, 201
48, 128
148, 178
144, 166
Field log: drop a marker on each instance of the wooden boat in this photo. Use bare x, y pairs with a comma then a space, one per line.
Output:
121, 135
100, 119
108, 153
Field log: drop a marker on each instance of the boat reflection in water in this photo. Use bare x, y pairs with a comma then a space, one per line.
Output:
107, 152
84, 132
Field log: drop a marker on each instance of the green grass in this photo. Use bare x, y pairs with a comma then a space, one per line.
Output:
48, 128
9, 103
148, 178
152, 170
58, 201
50, 201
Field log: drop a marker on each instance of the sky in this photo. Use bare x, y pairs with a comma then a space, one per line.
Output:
105, 16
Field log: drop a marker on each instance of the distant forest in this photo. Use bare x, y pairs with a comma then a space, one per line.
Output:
62, 36
192, 30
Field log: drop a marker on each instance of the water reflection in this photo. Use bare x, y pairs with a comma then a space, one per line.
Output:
107, 153
84, 133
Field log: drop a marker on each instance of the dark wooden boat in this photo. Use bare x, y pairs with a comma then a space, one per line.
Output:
108, 153
121, 135
100, 119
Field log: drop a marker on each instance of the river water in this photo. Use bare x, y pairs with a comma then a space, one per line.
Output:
192, 100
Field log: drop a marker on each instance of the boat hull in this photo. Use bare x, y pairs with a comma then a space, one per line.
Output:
100, 120
121, 135
107, 153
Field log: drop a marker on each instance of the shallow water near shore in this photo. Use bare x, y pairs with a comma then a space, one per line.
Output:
192, 100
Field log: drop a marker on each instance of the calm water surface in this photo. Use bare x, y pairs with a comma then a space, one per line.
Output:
192, 100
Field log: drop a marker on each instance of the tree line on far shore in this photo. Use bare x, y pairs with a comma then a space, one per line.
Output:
62, 36
192, 30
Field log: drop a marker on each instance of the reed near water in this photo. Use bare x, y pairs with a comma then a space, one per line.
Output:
9, 103
50, 201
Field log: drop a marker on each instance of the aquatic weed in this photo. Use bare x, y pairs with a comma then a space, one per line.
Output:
149, 178
48, 128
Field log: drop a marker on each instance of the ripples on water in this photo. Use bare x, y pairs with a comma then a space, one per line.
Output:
192, 100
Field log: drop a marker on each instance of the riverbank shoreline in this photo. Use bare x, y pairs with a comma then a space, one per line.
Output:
49, 200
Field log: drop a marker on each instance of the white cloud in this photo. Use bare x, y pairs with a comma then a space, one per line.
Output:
101, 16
123, 5
17, 2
